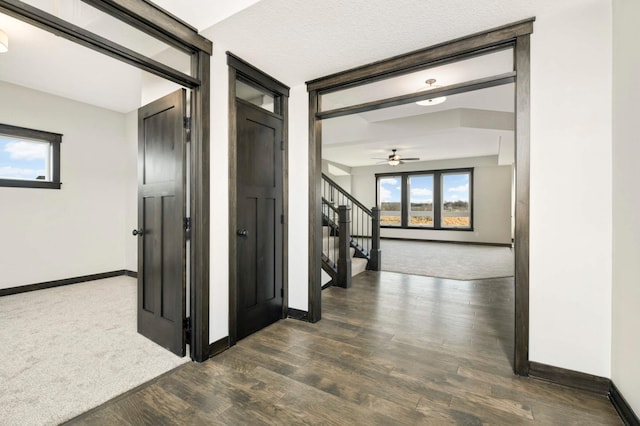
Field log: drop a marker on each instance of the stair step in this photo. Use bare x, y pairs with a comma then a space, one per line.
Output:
329, 242
358, 265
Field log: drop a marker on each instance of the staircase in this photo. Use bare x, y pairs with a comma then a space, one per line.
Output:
350, 236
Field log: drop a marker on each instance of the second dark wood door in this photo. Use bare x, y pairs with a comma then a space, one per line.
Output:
259, 216
161, 211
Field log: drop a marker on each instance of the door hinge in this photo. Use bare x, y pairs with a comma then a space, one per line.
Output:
187, 127
187, 225
186, 325
281, 145
282, 292
282, 219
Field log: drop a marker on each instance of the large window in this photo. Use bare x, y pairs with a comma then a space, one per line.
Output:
29, 158
439, 199
390, 200
456, 204
420, 200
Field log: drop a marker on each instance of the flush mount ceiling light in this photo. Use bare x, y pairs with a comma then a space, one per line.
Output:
434, 101
4, 42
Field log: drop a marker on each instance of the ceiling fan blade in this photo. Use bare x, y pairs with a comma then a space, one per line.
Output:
411, 159
378, 158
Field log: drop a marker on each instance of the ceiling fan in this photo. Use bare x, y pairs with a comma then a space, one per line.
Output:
394, 159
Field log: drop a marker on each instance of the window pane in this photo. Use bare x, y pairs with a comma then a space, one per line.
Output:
421, 201
255, 96
24, 159
456, 205
100, 23
490, 64
390, 196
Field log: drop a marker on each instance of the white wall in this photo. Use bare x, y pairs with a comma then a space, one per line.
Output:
343, 179
571, 221
80, 229
571, 157
130, 160
219, 242
491, 199
626, 204
298, 198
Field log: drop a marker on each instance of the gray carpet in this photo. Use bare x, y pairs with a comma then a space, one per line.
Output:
65, 350
447, 260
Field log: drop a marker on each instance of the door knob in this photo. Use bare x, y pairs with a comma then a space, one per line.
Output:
242, 232
137, 232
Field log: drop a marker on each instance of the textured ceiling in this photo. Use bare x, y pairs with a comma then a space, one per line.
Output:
202, 14
296, 41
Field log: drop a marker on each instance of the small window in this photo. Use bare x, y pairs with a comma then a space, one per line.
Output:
256, 96
29, 158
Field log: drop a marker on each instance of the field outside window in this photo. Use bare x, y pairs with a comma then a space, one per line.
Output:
437, 199
390, 195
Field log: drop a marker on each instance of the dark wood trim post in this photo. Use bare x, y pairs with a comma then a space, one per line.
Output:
344, 244
233, 201
522, 64
315, 213
285, 206
199, 202
375, 255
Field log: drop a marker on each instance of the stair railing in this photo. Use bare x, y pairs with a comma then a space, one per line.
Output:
336, 257
364, 222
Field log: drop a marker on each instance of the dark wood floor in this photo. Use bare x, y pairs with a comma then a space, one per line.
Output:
393, 350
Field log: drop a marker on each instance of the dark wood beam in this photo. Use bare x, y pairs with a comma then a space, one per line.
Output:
53, 24
472, 44
481, 83
155, 21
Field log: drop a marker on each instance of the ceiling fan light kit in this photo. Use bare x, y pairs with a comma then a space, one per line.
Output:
394, 159
434, 101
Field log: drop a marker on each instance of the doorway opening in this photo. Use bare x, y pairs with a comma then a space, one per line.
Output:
515, 36
154, 32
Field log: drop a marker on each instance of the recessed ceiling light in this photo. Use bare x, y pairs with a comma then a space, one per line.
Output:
433, 101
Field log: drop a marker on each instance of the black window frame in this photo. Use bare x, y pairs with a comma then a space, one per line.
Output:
437, 198
54, 139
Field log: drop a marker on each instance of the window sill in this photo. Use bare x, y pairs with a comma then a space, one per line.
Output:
424, 228
10, 183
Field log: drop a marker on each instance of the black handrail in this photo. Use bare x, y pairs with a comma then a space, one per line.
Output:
346, 194
330, 204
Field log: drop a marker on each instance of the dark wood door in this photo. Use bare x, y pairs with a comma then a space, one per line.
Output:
259, 218
161, 213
